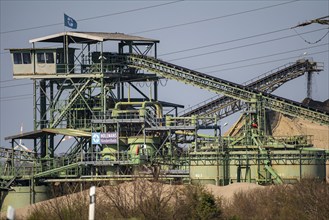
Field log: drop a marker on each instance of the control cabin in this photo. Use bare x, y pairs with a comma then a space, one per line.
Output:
40, 62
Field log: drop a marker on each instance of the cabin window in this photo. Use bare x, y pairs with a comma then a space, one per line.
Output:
49, 57
22, 58
26, 58
17, 58
45, 57
41, 58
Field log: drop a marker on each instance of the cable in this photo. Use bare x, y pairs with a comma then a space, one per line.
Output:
95, 17
24, 84
154, 6
215, 18
3, 81
238, 47
265, 62
225, 42
15, 96
315, 42
7, 100
255, 58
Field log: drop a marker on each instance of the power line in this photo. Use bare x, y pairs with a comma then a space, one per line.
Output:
265, 62
214, 18
24, 84
148, 7
315, 42
95, 17
270, 55
238, 47
224, 42
15, 96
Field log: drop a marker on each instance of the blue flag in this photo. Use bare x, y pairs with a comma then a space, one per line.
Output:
70, 22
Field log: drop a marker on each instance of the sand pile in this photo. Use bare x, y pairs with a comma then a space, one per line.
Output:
226, 192
295, 126
288, 126
282, 125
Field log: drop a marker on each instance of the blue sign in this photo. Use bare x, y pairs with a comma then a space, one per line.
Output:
95, 138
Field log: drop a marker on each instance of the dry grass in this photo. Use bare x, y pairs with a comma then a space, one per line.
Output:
308, 199
142, 199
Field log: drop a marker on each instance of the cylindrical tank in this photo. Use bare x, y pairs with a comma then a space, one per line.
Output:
20, 196
295, 164
205, 174
244, 167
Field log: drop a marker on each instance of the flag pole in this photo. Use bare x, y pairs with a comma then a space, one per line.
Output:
64, 44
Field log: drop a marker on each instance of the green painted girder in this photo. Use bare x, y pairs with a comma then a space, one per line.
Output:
225, 106
56, 170
226, 88
276, 178
72, 100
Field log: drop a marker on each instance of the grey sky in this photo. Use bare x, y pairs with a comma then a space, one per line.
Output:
179, 26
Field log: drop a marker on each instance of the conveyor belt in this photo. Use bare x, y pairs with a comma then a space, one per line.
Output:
224, 87
224, 106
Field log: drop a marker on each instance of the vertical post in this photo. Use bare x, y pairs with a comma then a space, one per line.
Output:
51, 102
13, 170
92, 196
118, 91
89, 55
43, 116
122, 91
309, 84
67, 52
35, 104
248, 173
33, 54
10, 213
155, 85
155, 82
118, 140
300, 164
129, 93
238, 179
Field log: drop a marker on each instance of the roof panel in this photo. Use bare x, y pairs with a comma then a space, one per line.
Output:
90, 37
55, 131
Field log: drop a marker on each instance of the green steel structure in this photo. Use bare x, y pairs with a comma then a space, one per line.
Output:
225, 106
119, 130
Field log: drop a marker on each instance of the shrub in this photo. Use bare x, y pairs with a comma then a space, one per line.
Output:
140, 199
307, 199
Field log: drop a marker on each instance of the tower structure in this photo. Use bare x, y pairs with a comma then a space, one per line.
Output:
89, 88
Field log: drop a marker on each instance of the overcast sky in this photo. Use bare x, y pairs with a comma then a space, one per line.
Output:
214, 37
